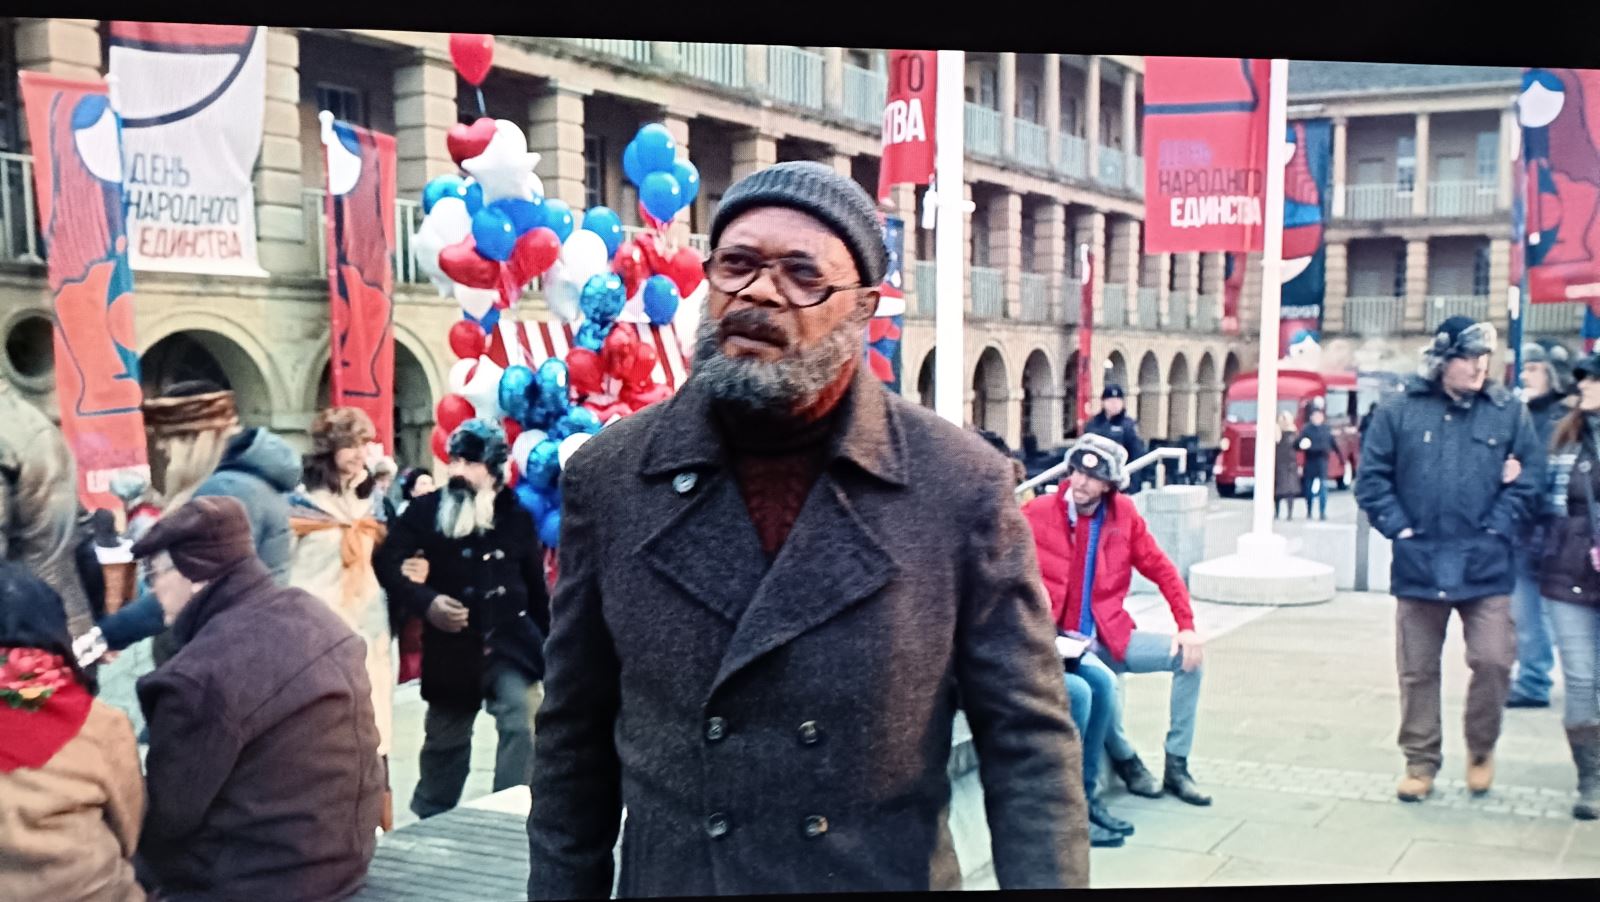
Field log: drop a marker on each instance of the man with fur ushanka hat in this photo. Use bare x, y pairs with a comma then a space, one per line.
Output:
485, 613
1451, 471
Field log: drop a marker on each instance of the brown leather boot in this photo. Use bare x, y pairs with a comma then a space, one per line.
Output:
1417, 785
1480, 774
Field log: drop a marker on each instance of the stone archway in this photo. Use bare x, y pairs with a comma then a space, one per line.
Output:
925, 380
201, 354
1039, 410
414, 400
1230, 370
1150, 397
1116, 371
990, 393
1180, 398
1209, 407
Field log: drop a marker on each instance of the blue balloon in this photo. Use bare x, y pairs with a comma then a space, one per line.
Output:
660, 300
513, 397
543, 467
603, 221
558, 218
550, 529
552, 379
440, 188
602, 298
532, 501
592, 336
576, 420
525, 215
661, 195
657, 149
630, 164
688, 178
471, 194
494, 235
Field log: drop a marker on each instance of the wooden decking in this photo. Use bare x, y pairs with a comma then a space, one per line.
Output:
471, 854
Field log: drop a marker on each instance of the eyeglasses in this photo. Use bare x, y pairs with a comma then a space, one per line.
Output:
731, 270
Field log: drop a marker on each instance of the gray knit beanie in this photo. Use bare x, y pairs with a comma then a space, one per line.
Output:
817, 190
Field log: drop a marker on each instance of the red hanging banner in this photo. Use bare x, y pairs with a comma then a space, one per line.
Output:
908, 120
77, 176
361, 240
1559, 110
1205, 154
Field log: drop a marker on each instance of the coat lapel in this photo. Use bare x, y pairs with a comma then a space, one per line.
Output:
709, 548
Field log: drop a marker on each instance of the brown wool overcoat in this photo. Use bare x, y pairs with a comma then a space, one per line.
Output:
787, 728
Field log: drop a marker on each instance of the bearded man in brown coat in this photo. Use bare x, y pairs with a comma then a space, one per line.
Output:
774, 590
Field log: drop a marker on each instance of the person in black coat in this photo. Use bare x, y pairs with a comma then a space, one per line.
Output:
1451, 471
485, 610
1114, 423
1316, 443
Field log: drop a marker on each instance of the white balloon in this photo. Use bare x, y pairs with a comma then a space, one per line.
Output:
476, 302
483, 389
505, 165
449, 220
523, 446
561, 293
425, 247
459, 371
535, 187
687, 320
569, 445
584, 255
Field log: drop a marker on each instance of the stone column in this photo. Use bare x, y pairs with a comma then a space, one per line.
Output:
1340, 154
1510, 138
833, 79
281, 236
424, 110
1005, 248
1050, 254
1013, 433
1091, 228
1419, 196
1211, 287
1008, 105
1250, 297
842, 163
752, 152
66, 47
1091, 116
1416, 286
556, 133
1187, 278
1052, 107
1126, 269
1499, 278
1336, 290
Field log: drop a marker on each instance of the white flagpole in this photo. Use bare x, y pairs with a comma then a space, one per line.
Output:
1271, 302
949, 247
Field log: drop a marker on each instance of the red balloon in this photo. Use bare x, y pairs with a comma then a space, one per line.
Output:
462, 263
467, 141
644, 366
686, 270
629, 265
606, 411
642, 396
584, 371
534, 254
620, 350
452, 411
473, 54
467, 340
653, 260
440, 443
513, 429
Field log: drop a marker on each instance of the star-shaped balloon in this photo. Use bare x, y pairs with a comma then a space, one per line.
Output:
505, 168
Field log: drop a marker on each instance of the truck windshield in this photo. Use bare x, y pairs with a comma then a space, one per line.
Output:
1244, 410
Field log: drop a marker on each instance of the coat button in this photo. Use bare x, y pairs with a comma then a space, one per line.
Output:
466, 553
499, 555
809, 733
717, 826
683, 483
816, 825
716, 729
1577, 591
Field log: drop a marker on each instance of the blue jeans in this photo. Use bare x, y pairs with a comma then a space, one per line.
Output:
1093, 691
1314, 482
1150, 652
1536, 655
1577, 631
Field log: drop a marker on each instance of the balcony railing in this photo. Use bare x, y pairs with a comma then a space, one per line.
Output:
1034, 289
1033, 143
864, 94
794, 75
407, 216
701, 244
1463, 199
1071, 302
1074, 156
632, 51
1441, 308
1178, 311
983, 130
1372, 317
1208, 313
1553, 319
1113, 167
988, 293
1370, 203
721, 64
1149, 308
925, 275
19, 213
1114, 309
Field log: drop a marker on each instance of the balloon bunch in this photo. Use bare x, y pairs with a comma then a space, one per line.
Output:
657, 275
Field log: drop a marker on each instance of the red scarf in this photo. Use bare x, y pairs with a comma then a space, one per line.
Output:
42, 706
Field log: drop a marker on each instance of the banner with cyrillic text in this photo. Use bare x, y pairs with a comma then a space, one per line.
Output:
1205, 152
1559, 110
908, 120
77, 176
192, 99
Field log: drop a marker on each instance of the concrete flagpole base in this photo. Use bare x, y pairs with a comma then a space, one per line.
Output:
1262, 573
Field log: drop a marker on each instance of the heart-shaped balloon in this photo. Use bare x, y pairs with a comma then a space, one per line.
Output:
620, 350
608, 412
462, 263
534, 254
654, 260
644, 365
584, 371
686, 270
473, 54
628, 263
477, 303
467, 141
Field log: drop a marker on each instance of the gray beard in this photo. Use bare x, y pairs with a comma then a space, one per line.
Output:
461, 516
791, 383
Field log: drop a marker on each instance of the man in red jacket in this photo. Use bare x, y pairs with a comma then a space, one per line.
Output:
1090, 527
